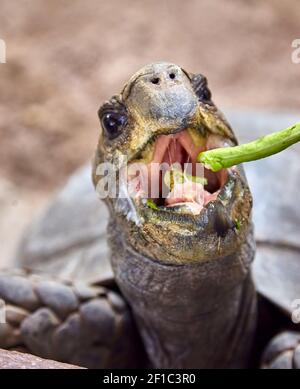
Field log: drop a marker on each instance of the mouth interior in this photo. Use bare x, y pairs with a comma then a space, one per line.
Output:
169, 176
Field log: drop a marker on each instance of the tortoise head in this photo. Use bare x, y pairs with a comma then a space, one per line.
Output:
156, 126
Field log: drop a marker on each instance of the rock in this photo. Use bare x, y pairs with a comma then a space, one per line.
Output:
17, 360
57, 296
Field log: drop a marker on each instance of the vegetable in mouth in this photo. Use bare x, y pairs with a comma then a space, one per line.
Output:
263, 147
177, 176
167, 172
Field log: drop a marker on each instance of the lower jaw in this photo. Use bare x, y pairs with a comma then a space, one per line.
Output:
191, 211
174, 236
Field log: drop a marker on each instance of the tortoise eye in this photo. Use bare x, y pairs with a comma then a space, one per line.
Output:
201, 89
204, 94
113, 123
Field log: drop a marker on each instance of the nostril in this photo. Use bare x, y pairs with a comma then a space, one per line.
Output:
172, 76
155, 80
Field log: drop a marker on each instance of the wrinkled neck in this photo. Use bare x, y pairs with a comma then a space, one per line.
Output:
190, 316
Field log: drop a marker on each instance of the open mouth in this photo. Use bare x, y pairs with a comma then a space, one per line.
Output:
166, 175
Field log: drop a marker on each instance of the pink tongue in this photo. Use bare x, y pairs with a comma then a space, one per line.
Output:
187, 192
192, 193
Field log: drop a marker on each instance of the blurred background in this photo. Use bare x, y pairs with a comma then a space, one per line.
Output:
65, 57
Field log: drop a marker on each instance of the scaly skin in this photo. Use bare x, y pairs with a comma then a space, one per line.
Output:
81, 324
187, 278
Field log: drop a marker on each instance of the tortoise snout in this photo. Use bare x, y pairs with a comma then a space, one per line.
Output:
168, 77
162, 92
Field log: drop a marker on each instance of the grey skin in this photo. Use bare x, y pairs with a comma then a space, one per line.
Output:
186, 317
191, 300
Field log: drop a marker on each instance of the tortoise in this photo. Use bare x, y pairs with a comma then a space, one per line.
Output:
163, 284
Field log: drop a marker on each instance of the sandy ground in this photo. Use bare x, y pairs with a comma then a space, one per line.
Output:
65, 57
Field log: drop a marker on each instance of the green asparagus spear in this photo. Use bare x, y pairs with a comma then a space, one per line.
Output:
263, 147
